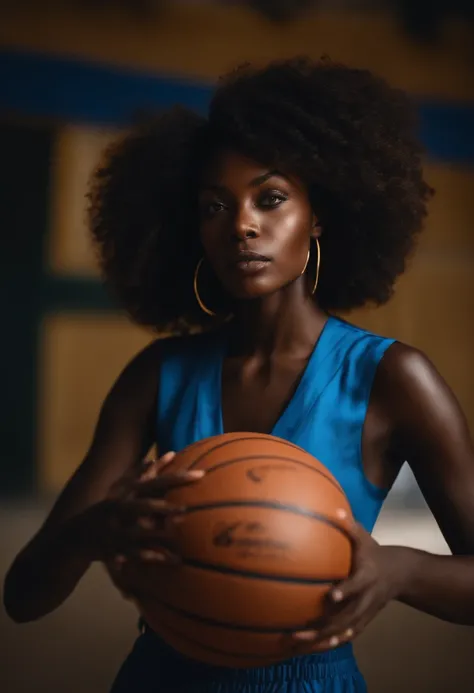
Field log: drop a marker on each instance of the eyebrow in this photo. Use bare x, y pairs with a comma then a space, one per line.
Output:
254, 183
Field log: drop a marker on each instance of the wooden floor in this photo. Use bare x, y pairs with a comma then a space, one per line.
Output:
79, 648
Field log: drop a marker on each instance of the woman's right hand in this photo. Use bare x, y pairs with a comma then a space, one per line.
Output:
135, 522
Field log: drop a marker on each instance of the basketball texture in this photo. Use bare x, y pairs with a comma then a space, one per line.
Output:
261, 543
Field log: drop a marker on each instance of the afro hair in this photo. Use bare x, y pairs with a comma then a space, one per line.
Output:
348, 135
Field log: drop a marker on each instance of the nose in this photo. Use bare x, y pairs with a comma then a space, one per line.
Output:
246, 224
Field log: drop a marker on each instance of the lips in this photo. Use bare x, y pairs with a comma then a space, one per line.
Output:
248, 262
249, 256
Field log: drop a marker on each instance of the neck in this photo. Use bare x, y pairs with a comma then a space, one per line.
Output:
287, 321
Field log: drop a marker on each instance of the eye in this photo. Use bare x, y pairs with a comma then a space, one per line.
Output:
211, 208
272, 199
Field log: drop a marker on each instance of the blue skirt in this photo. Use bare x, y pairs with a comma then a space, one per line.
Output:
154, 667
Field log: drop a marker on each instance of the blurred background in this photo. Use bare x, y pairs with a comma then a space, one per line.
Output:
73, 74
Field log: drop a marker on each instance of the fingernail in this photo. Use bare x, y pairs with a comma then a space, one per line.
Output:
160, 557
341, 514
146, 523
349, 633
153, 556
334, 641
161, 505
195, 474
305, 635
174, 509
178, 519
337, 596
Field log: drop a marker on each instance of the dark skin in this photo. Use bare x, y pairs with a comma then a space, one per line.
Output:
113, 509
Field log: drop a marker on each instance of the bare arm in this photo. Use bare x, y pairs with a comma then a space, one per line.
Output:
48, 569
435, 440
426, 427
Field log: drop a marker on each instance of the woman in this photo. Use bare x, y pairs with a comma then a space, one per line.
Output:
302, 194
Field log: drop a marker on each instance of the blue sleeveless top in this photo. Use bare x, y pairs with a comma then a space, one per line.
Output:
325, 416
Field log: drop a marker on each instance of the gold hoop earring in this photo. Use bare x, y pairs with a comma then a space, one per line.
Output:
318, 263
202, 305
306, 263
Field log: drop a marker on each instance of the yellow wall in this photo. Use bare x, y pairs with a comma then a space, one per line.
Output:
77, 153
81, 356
434, 302
202, 41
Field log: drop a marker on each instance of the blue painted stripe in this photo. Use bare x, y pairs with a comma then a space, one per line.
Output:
90, 93
63, 294
447, 131
95, 94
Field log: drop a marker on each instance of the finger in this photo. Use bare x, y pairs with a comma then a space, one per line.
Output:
149, 472
354, 530
166, 521
303, 636
347, 589
147, 533
164, 461
153, 467
151, 555
358, 611
141, 471
335, 629
148, 515
335, 620
135, 529
137, 538
151, 508
159, 555
334, 637
335, 640
164, 482
359, 536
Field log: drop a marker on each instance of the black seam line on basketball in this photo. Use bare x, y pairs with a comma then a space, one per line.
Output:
215, 650
251, 575
229, 625
275, 457
269, 505
238, 440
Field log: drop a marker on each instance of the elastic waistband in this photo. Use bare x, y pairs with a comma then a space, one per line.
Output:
317, 667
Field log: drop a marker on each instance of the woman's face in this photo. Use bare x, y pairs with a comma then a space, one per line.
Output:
255, 225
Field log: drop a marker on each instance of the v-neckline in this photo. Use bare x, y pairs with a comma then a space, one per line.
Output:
279, 425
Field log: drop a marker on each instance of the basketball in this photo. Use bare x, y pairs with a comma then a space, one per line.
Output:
261, 542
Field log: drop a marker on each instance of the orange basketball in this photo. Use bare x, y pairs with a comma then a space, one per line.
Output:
261, 543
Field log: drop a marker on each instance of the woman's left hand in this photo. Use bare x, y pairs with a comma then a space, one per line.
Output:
376, 578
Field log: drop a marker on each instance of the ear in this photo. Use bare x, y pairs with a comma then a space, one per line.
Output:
316, 228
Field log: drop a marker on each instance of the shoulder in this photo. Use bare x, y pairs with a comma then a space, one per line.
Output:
135, 390
148, 361
415, 394
139, 375
407, 370
400, 368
